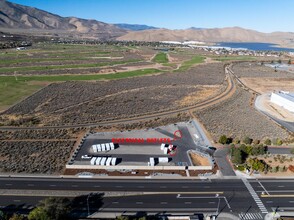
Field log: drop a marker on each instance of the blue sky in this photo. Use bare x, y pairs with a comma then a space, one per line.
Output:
261, 15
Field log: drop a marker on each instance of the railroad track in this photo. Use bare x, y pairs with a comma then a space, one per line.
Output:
228, 91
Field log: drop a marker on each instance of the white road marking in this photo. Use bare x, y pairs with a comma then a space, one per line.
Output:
141, 186
139, 203
163, 203
119, 186
16, 200
188, 202
211, 202
269, 201
96, 186
52, 185
281, 186
185, 187
8, 184
263, 187
114, 202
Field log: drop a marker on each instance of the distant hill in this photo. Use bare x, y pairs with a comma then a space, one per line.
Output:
135, 27
22, 18
230, 34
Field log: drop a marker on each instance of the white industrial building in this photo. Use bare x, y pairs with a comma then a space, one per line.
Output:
283, 99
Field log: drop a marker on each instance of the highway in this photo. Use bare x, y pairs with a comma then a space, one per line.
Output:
170, 196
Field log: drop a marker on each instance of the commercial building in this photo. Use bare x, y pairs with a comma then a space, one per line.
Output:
283, 99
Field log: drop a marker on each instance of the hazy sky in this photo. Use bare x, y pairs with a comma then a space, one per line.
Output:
261, 15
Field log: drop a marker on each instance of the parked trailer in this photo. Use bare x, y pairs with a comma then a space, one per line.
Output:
103, 147
163, 159
152, 162
111, 146
108, 161
98, 147
98, 161
107, 146
113, 161
94, 148
162, 146
93, 160
103, 161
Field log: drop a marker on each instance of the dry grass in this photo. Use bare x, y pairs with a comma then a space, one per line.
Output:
198, 160
269, 84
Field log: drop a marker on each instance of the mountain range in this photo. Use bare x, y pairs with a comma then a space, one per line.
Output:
15, 18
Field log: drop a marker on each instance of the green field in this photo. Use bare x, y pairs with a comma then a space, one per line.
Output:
13, 89
160, 58
188, 64
71, 66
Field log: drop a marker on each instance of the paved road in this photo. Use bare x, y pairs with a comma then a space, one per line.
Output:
220, 156
167, 195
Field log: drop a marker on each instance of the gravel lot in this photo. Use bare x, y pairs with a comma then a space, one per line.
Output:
236, 118
81, 102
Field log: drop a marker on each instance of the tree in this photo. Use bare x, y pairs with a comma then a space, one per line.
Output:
51, 208
247, 140
267, 142
223, 139
279, 61
238, 156
289, 61
17, 217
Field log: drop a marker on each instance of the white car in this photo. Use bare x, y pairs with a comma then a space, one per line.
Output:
86, 157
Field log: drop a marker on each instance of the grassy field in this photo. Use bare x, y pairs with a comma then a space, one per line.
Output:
13, 89
188, 64
160, 58
71, 66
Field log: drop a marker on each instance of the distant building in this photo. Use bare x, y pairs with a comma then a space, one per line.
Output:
283, 99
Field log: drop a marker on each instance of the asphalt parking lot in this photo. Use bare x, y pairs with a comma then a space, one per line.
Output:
137, 146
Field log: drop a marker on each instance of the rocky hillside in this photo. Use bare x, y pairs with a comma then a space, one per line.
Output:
21, 18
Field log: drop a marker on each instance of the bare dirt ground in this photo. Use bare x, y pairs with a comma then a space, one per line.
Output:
198, 160
269, 84
263, 102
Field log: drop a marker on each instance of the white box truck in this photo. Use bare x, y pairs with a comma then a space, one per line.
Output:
165, 150
163, 159
98, 161
108, 161
103, 160
107, 146
111, 146
93, 160
94, 148
103, 147
162, 146
113, 161
152, 162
